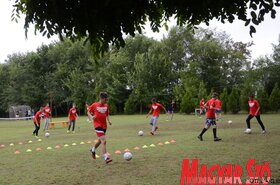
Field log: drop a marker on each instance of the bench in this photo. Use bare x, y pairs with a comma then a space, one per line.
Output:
64, 124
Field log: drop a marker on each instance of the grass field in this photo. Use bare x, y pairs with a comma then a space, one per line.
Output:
159, 165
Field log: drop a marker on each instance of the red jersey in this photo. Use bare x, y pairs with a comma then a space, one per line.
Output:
156, 107
47, 112
210, 105
100, 112
254, 106
37, 117
218, 104
72, 114
201, 104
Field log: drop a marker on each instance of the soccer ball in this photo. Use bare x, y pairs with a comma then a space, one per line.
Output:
47, 134
229, 122
127, 156
140, 133
248, 131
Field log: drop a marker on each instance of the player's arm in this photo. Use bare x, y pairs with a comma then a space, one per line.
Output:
90, 115
164, 109
108, 119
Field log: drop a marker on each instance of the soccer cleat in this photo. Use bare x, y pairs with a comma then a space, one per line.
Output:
217, 139
151, 133
200, 138
68, 131
92, 154
264, 132
108, 160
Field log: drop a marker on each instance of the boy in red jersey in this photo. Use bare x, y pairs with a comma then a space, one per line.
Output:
37, 121
201, 107
254, 112
155, 109
100, 113
218, 110
47, 114
210, 118
72, 115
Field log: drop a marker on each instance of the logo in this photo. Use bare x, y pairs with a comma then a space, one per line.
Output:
251, 104
231, 174
155, 107
101, 109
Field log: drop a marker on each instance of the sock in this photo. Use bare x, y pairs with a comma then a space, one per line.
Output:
93, 149
203, 131
215, 132
105, 156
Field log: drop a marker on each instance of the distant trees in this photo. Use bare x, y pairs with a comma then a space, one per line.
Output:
185, 66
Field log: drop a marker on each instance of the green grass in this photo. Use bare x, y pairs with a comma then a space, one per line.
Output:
158, 165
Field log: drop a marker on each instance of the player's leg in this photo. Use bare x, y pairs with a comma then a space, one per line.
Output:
248, 121
215, 130
261, 123
172, 113
35, 126
69, 126
73, 126
37, 129
104, 149
206, 127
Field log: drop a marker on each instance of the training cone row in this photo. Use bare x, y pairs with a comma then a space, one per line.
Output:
118, 152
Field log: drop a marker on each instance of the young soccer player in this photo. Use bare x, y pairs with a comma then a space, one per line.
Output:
210, 118
37, 121
201, 107
100, 113
254, 112
170, 110
155, 109
47, 114
72, 115
218, 110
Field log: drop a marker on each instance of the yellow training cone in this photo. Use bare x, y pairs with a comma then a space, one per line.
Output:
145, 146
49, 148
82, 143
12, 144
167, 142
28, 150
74, 144
66, 145
39, 140
97, 156
152, 145
30, 141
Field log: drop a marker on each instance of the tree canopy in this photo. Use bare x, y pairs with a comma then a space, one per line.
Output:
106, 22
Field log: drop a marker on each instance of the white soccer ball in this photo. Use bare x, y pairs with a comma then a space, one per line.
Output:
127, 156
248, 131
47, 134
229, 122
140, 133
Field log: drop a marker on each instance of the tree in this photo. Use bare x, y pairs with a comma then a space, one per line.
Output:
233, 101
274, 98
105, 22
263, 99
224, 98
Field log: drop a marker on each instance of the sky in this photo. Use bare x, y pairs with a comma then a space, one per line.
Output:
13, 40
